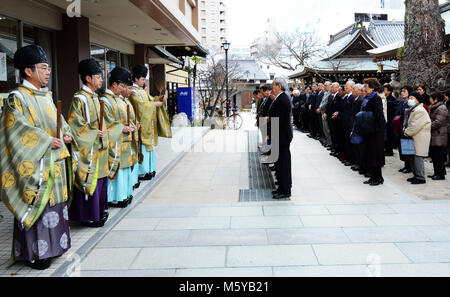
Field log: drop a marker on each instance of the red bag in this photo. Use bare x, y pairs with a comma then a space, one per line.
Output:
397, 125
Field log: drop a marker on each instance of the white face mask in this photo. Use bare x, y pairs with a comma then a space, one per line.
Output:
411, 102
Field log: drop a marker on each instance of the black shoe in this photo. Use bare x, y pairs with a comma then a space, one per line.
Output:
348, 164
146, 177
98, 224
401, 170
418, 182
356, 168
153, 174
438, 177
275, 192
121, 204
370, 181
310, 136
368, 175
362, 172
406, 171
377, 182
281, 196
136, 186
411, 179
130, 199
105, 216
431, 175
40, 264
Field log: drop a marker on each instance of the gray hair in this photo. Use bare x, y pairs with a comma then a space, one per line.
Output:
351, 83
358, 86
282, 82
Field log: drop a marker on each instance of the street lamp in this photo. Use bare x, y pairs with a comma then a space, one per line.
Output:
226, 47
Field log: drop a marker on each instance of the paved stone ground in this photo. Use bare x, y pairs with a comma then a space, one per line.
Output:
192, 224
84, 238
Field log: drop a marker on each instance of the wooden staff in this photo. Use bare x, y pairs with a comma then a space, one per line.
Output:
102, 111
140, 154
128, 115
58, 119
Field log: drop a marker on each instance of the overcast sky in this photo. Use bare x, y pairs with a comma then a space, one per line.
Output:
247, 18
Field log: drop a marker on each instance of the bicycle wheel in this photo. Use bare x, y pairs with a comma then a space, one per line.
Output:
235, 122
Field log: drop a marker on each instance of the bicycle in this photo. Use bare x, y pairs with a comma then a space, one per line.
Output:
235, 121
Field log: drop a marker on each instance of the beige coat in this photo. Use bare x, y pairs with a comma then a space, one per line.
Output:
419, 128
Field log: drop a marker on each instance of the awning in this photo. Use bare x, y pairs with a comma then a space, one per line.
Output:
188, 51
158, 55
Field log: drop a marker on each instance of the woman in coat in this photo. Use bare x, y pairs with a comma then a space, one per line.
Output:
418, 127
374, 142
439, 122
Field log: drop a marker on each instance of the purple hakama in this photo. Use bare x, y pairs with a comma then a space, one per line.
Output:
48, 238
92, 209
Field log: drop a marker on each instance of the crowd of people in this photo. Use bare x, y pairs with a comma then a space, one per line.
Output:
362, 124
55, 169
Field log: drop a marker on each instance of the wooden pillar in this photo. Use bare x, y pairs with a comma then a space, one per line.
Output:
73, 46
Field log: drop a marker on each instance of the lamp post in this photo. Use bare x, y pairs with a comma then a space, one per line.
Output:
226, 47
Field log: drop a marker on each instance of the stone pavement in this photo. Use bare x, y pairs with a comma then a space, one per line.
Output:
192, 224
83, 239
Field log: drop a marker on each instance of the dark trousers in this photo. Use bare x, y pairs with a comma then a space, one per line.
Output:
448, 149
319, 125
338, 141
297, 121
357, 154
376, 173
390, 141
437, 154
283, 171
313, 129
333, 134
348, 149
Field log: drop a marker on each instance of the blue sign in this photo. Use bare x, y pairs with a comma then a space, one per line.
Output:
186, 102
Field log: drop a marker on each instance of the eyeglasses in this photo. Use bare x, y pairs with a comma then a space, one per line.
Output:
45, 68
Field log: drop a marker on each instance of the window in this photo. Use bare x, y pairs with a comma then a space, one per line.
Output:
108, 60
10, 38
8, 46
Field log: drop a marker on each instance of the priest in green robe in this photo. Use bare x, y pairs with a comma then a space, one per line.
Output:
119, 194
90, 147
35, 166
153, 120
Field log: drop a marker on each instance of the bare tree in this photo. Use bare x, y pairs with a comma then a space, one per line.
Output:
424, 43
288, 50
213, 83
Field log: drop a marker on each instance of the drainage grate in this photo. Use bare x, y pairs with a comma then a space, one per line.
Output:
260, 177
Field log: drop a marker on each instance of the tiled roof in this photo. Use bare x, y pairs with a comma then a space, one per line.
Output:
346, 64
386, 32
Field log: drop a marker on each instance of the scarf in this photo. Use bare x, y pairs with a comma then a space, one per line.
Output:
367, 99
408, 113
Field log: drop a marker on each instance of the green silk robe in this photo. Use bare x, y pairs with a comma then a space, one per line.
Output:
32, 173
90, 151
129, 149
115, 127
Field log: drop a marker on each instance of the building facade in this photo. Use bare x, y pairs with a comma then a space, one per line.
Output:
115, 33
213, 23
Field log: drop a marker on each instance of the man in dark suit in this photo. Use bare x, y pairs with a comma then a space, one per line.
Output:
282, 109
310, 104
347, 123
332, 115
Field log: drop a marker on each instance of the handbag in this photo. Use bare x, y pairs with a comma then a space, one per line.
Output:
407, 146
356, 139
